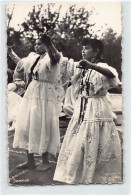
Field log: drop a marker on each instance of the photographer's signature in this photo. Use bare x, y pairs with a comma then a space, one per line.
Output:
18, 181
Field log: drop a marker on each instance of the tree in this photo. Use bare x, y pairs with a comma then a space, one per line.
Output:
112, 50
67, 31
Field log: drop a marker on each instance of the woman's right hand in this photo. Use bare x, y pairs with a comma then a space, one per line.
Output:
84, 64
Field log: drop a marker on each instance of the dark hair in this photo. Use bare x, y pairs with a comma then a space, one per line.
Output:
94, 43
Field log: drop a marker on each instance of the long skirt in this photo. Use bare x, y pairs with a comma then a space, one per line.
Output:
37, 123
91, 151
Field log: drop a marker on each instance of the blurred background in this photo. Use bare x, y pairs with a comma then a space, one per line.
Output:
67, 24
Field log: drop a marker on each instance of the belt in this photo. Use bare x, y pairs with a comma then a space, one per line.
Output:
43, 81
92, 96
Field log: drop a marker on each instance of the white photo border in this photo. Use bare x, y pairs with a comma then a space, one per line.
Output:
114, 189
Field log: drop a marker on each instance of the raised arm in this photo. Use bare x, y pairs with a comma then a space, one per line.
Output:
19, 71
84, 64
13, 55
52, 51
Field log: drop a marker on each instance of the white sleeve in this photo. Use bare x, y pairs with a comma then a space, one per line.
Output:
110, 82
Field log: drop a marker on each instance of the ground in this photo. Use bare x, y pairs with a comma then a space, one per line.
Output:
32, 177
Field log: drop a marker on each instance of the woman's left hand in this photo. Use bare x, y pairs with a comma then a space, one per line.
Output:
84, 64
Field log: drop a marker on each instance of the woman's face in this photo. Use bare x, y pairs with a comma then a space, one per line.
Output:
88, 52
40, 47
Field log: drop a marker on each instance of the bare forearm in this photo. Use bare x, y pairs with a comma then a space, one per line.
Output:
52, 59
54, 52
101, 70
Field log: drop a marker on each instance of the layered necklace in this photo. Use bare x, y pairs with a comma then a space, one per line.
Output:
84, 86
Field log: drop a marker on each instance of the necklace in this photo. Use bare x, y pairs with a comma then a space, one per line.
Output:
83, 99
87, 82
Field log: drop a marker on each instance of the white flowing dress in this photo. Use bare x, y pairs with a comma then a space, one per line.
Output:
91, 151
37, 123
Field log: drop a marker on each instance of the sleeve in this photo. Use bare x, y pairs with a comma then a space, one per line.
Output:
22, 69
67, 70
112, 82
19, 71
63, 65
64, 76
70, 67
104, 82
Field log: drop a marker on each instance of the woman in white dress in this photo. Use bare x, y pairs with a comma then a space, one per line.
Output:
37, 124
91, 150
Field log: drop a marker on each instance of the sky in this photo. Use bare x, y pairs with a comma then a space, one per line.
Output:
106, 15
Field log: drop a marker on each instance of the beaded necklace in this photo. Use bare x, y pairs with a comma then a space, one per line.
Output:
84, 100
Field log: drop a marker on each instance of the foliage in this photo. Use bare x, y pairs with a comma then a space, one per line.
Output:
67, 31
112, 50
